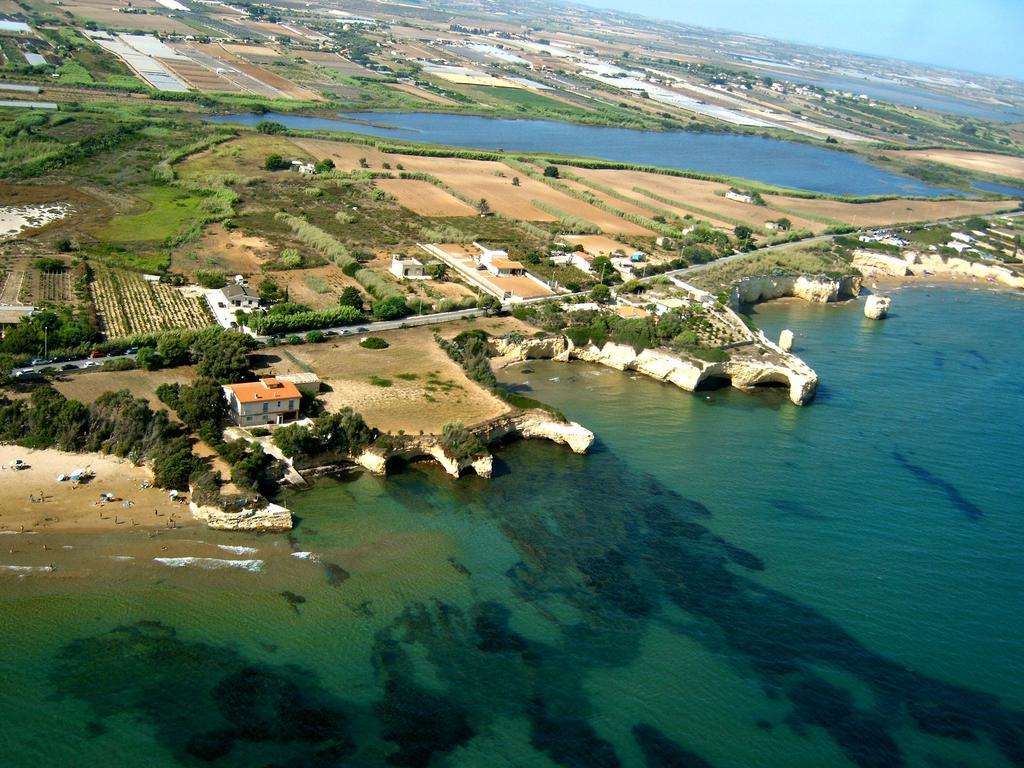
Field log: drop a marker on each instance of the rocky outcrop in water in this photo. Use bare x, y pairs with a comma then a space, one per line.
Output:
754, 363
525, 424
820, 289
272, 517
786, 340
877, 307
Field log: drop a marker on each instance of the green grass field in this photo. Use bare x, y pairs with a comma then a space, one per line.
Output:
169, 210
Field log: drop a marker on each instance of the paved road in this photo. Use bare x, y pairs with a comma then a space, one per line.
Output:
82, 364
391, 325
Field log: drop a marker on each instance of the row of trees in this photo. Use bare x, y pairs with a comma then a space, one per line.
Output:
115, 423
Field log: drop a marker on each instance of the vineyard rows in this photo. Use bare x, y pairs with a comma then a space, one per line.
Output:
128, 304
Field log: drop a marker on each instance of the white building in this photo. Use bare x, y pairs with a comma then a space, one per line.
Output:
499, 264
739, 197
408, 268
963, 237
240, 297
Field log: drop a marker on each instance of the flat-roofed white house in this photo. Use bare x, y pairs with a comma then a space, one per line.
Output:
408, 268
500, 265
240, 296
267, 401
739, 197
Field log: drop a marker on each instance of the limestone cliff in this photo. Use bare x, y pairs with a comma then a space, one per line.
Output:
918, 264
527, 424
877, 307
754, 363
816, 288
272, 517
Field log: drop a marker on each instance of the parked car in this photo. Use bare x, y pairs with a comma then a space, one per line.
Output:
41, 361
96, 353
69, 367
132, 351
91, 364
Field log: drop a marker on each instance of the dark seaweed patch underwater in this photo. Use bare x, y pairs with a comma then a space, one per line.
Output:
618, 555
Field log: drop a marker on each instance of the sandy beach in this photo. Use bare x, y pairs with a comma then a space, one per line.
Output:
34, 500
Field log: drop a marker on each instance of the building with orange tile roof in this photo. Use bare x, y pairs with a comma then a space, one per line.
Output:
267, 401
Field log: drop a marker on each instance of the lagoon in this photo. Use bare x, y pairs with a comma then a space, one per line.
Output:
771, 161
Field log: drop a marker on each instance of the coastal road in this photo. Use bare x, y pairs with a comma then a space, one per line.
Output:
391, 325
68, 366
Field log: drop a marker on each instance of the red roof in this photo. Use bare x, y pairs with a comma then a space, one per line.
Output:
265, 390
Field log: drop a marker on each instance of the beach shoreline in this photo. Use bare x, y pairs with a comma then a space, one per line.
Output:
35, 501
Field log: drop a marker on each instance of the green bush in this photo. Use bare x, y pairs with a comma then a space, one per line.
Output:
374, 342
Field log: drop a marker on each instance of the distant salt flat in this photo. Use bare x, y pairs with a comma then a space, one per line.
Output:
16, 218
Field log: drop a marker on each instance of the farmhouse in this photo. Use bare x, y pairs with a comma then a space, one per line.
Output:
499, 264
739, 197
240, 296
267, 401
12, 315
408, 268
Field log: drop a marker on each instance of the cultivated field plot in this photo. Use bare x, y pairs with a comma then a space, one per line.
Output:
422, 93
332, 61
1001, 165
224, 251
478, 179
202, 78
128, 304
427, 390
317, 287
892, 212
247, 75
424, 198
701, 199
243, 156
53, 287
105, 12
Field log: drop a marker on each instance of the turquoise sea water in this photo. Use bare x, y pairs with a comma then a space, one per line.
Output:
727, 580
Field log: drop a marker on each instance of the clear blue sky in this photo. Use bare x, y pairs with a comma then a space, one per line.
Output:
976, 35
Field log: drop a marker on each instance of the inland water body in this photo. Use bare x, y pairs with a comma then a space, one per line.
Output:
727, 580
772, 161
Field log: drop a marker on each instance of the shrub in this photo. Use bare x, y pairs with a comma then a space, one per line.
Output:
290, 258
459, 443
390, 308
274, 162
351, 297
211, 279
314, 337
374, 342
273, 323
377, 381
551, 172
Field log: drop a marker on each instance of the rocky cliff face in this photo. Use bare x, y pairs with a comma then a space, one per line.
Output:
272, 517
817, 288
528, 424
758, 363
913, 263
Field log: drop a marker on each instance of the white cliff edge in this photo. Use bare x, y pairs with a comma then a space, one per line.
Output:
272, 517
758, 363
528, 424
912, 263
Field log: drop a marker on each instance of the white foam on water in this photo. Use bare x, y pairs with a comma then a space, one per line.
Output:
306, 556
238, 550
121, 558
210, 563
27, 568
